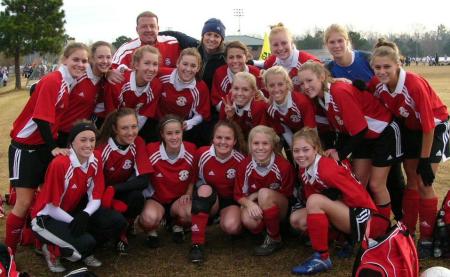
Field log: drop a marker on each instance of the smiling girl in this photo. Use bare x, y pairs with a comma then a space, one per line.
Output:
185, 96
174, 173
263, 187
140, 89
241, 106
217, 165
284, 53
426, 131
34, 134
349, 213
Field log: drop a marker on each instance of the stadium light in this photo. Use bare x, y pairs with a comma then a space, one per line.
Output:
238, 13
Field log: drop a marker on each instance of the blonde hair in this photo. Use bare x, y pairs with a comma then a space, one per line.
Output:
384, 48
191, 51
278, 28
249, 78
281, 71
311, 136
341, 30
72, 47
318, 69
137, 56
271, 134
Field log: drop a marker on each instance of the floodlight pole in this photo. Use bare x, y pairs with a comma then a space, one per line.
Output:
238, 13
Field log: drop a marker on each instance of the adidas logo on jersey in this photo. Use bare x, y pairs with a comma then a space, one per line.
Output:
439, 153
74, 186
211, 173
425, 224
389, 158
159, 175
195, 228
81, 94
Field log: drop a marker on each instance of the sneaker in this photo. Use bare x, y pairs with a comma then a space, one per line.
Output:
424, 249
53, 262
92, 261
269, 246
196, 253
177, 234
313, 265
122, 247
152, 241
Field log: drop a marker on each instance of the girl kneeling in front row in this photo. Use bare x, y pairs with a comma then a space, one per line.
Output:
348, 213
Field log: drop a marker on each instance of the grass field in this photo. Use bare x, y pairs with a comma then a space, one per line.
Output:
225, 257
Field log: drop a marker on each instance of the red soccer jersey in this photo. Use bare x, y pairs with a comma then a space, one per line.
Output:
82, 100
167, 45
278, 176
66, 183
119, 165
49, 102
251, 115
219, 174
326, 173
350, 111
171, 177
299, 112
128, 94
189, 100
223, 79
414, 100
298, 58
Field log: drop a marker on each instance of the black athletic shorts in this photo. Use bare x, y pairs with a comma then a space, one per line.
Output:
358, 222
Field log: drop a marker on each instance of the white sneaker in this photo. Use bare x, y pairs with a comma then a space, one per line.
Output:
53, 262
92, 261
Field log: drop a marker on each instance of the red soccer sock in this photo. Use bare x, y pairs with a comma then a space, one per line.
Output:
410, 209
385, 210
427, 215
198, 228
14, 225
271, 218
318, 233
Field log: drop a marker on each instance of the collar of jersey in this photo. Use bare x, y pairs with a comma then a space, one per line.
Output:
94, 79
240, 111
311, 171
114, 146
400, 82
134, 86
212, 152
74, 159
70, 81
287, 103
230, 74
291, 61
179, 85
165, 157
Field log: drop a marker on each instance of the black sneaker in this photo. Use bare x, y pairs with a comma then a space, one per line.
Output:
177, 234
152, 242
269, 246
122, 247
424, 249
196, 253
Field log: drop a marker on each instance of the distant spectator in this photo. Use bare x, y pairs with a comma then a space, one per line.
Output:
436, 59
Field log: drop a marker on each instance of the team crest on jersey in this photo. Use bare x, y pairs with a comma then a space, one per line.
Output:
275, 186
167, 61
296, 81
403, 112
231, 173
339, 120
295, 118
127, 164
183, 175
139, 106
181, 101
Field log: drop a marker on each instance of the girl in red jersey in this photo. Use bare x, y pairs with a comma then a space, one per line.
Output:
426, 131
88, 91
216, 165
140, 90
236, 55
172, 180
322, 175
184, 95
67, 216
263, 187
289, 110
241, 106
285, 54
34, 134
125, 165
366, 130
